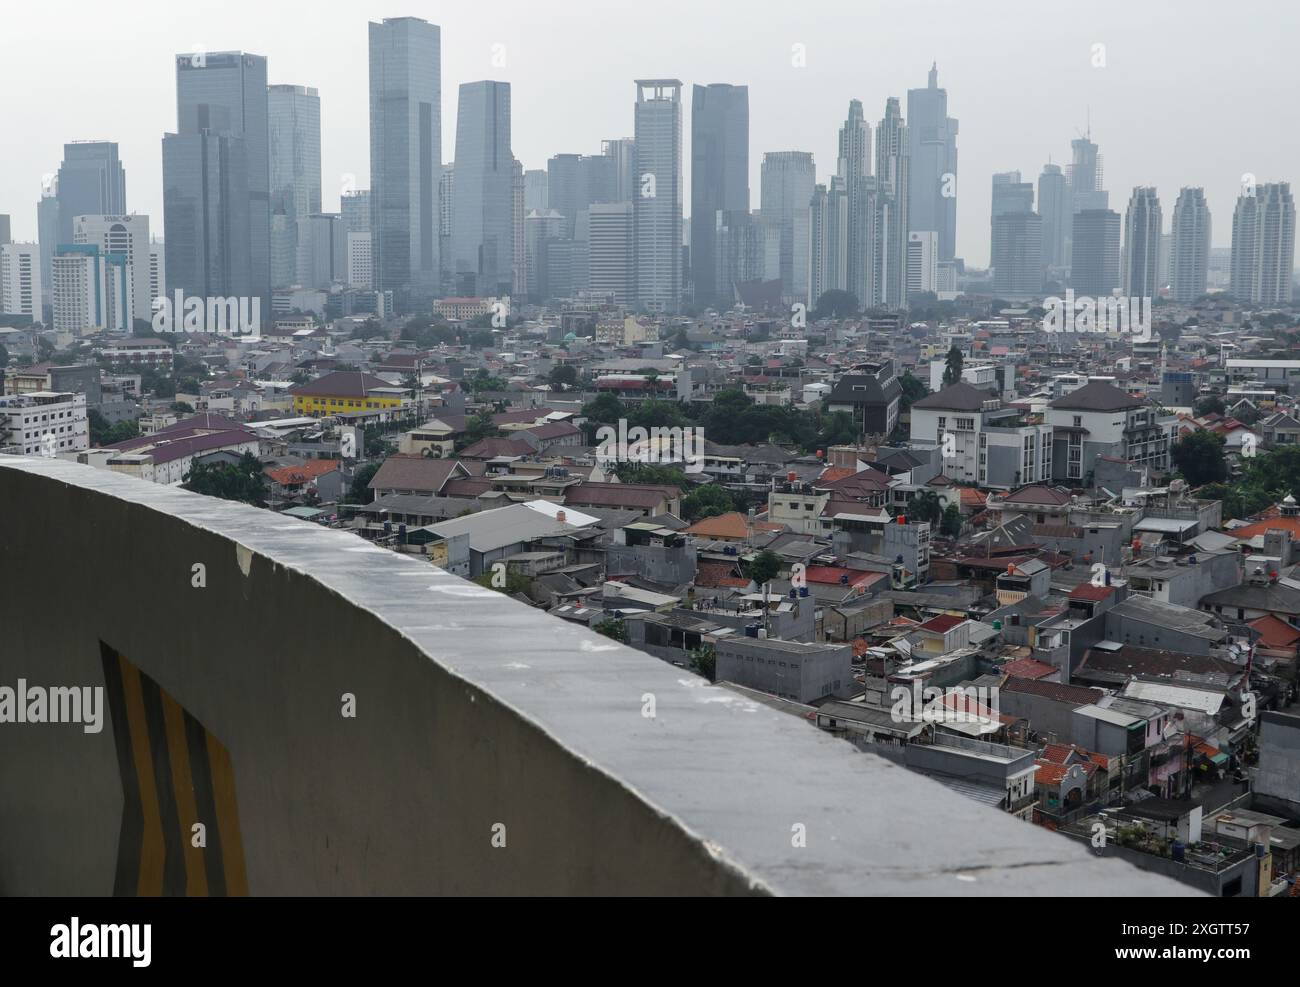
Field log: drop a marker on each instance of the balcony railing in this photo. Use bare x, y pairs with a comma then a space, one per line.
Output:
352, 721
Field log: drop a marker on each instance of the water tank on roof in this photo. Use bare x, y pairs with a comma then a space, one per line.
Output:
751, 630
997, 625
794, 593
803, 591
844, 579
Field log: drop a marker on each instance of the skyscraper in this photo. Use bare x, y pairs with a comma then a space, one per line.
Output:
126, 237
519, 252
1143, 226
1095, 269
620, 151
482, 213
534, 190
853, 169
828, 227
1017, 253
657, 195
932, 142
1010, 195
610, 251
1189, 249
1263, 244
786, 196
1056, 209
922, 261
20, 280
216, 178
91, 181
1086, 189
294, 115
719, 177
893, 170
405, 154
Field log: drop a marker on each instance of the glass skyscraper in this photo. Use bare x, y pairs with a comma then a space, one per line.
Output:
482, 214
932, 136
405, 154
719, 178
657, 195
294, 115
92, 181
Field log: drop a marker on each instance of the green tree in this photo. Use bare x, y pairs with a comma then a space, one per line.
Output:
913, 391
359, 491
926, 506
243, 481
478, 427
952, 366
707, 500
704, 661
611, 628
1199, 457
836, 304
763, 567
951, 522
563, 376
1209, 405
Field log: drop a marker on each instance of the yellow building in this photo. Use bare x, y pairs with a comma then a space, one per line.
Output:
345, 391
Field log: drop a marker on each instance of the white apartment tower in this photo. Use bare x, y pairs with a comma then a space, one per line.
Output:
20, 279
1189, 249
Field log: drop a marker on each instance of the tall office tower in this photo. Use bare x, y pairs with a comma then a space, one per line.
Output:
719, 178
157, 269
576, 181
922, 261
294, 132
657, 195
541, 227
92, 290
91, 181
1143, 226
355, 209
1055, 208
828, 245
853, 169
20, 280
1263, 244
1017, 256
610, 251
788, 179
534, 190
932, 143
1166, 257
519, 252
620, 151
124, 236
359, 269
405, 152
216, 178
47, 231
1095, 267
482, 231
6, 231
893, 165
1010, 195
446, 203
1086, 190
326, 250
1189, 247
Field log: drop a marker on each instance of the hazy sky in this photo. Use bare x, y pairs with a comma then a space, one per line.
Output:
1193, 92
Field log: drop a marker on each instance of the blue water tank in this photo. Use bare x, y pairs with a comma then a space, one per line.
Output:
1179, 851
751, 630
803, 590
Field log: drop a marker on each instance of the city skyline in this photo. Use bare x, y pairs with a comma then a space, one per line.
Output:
793, 107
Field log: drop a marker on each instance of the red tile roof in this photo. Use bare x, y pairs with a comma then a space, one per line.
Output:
1087, 591
1028, 668
941, 624
308, 471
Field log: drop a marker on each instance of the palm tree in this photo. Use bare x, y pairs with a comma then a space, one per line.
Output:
926, 506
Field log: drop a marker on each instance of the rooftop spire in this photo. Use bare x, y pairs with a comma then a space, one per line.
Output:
934, 75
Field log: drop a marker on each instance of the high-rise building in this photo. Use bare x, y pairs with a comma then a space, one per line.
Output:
853, 169
157, 269
1143, 226
1017, 253
405, 154
1086, 181
719, 178
932, 185
519, 251
91, 181
482, 234
1189, 247
1263, 244
6, 231
93, 291
620, 151
610, 251
359, 269
294, 121
534, 190
541, 227
325, 253
893, 169
1010, 195
786, 196
828, 246
1055, 207
657, 195
1095, 265
20, 280
216, 179
922, 261
47, 231
354, 207
128, 237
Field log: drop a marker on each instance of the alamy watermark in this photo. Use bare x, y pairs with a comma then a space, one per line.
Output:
1098, 315
57, 704
660, 445
958, 704
215, 314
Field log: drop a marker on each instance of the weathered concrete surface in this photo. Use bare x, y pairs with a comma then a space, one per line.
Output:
472, 710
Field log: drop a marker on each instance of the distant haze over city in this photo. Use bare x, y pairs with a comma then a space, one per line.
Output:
1193, 94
